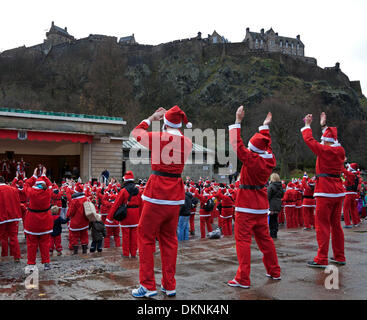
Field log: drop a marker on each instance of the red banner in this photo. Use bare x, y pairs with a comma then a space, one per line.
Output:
47, 136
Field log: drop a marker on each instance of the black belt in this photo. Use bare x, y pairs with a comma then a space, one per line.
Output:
227, 206
166, 174
327, 175
132, 207
308, 197
244, 186
34, 210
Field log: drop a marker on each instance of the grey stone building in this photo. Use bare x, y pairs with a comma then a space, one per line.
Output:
272, 42
128, 40
58, 35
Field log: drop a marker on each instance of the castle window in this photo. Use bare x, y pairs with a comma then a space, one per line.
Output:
281, 43
261, 43
214, 39
286, 44
256, 43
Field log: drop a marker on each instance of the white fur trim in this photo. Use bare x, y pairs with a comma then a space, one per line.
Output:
79, 228
205, 215
11, 220
171, 124
351, 193
305, 127
129, 226
225, 217
38, 233
189, 125
249, 210
328, 139
323, 130
329, 195
234, 126
147, 121
163, 202
266, 155
255, 149
308, 205
264, 127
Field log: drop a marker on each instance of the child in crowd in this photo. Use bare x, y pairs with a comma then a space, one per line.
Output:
55, 239
98, 233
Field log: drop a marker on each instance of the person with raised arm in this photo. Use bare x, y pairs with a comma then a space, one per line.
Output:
252, 204
329, 192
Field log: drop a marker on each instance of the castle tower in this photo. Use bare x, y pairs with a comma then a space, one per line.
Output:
58, 35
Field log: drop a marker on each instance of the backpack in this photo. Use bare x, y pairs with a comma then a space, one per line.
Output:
194, 202
209, 205
121, 212
90, 211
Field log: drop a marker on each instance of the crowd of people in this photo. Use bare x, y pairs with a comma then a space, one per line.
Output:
163, 208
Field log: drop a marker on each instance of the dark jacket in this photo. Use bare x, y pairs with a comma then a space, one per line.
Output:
98, 230
275, 195
185, 208
58, 221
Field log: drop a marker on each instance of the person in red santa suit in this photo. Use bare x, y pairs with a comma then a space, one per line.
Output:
19, 185
227, 201
129, 226
5, 169
308, 203
79, 223
351, 184
163, 195
329, 192
112, 226
106, 205
252, 204
289, 202
205, 211
299, 213
10, 215
38, 223
193, 209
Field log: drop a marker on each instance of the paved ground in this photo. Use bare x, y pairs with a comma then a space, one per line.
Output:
203, 268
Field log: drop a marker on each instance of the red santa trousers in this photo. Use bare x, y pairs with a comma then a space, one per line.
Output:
158, 221
112, 232
364, 213
300, 216
227, 226
289, 213
281, 216
9, 237
327, 220
192, 222
38, 241
350, 209
205, 221
129, 241
308, 216
248, 224
55, 243
81, 235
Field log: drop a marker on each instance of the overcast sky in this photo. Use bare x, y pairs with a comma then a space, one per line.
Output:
331, 30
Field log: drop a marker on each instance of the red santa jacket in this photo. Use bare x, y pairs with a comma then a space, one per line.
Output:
38, 219
170, 151
308, 187
20, 188
9, 204
106, 203
134, 209
255, 171
228, 202
290, 198
330, 160
78, 220
203, 198
350, 180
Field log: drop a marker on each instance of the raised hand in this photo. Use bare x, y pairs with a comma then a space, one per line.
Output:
240, 113
158, 114
268, 119
323, 119
308, 119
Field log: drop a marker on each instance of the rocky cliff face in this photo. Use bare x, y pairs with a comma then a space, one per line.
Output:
209, 81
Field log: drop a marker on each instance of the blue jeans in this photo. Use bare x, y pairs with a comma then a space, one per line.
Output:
183, 228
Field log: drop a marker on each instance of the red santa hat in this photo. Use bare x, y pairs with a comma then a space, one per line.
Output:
258, 143
129, 176
330, 134
206, 192
78, 187
353, 167
174, 118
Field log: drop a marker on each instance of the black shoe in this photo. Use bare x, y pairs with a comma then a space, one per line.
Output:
342, 263
99, 250
84, 248
46, 266
192, 233
75, 249
316, 265
92, 250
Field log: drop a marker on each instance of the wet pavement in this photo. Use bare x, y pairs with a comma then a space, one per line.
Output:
203, 268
